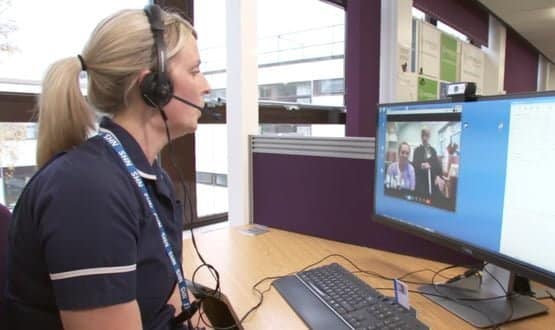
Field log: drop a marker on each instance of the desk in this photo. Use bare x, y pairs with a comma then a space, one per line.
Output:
243, 260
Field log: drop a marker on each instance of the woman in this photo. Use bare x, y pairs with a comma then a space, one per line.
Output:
86, 250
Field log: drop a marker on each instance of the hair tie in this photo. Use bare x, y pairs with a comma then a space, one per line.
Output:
83, 65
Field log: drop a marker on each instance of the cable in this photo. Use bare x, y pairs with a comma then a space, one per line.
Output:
261, 293
495, 325
418, 271
444, 296
212, 270
507, 295
359, 270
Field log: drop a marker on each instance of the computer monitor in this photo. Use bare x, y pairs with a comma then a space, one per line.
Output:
476, 177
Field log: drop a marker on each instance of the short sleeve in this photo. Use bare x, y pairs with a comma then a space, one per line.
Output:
88, 228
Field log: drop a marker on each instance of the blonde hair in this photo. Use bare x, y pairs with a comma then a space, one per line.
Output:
119, 48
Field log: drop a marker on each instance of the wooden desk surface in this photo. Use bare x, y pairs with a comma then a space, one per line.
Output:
243, 260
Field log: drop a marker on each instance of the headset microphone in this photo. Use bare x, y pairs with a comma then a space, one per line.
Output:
205, 110
201, 109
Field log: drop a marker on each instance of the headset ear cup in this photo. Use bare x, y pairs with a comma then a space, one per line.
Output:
148, 88
165, 90
156, 89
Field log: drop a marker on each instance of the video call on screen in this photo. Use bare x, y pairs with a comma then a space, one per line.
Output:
422, 157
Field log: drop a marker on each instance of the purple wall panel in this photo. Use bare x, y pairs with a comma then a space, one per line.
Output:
362, 66
467, 16
521, 64
330, 198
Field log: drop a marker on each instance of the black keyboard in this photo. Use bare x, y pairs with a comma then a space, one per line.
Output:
330, 297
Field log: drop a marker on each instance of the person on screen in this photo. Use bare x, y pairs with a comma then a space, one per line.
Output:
427, 166
94, 231
400, 174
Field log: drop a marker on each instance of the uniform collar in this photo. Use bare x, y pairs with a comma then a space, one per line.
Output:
132, 148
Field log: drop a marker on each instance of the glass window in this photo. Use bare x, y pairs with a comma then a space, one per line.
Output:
296, 49
18, 143
301, 59
297, 92
211, 164
210, 24
30, 34
329, 87
211, 139
321, 130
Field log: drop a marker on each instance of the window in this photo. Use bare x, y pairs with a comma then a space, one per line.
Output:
211, 169
296, 92
210, 24
297, 51
18, 142
329, 87
211, 139
27, 48
301, 61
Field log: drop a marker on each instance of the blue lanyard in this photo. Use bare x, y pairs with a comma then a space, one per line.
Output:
113, 141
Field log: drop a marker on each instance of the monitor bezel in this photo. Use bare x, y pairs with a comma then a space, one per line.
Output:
512, 264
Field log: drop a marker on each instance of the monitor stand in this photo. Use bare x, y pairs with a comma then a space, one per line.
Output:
484, 313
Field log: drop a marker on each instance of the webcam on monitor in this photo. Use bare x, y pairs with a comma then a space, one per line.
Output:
462, 91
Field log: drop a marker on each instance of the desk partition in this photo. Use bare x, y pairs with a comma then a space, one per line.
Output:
324, 187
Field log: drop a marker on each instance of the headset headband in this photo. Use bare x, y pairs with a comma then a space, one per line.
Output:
154, 14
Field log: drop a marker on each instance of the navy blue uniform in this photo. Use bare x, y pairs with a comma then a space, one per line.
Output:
83, 237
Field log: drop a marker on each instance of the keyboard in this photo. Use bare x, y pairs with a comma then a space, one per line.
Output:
331, 297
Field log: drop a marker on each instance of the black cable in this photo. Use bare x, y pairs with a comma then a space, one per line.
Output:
359, 270
252, 309
444, 296
212, 270
460, 301
507, 295
261, 294
199, 317
418, 271
390, 279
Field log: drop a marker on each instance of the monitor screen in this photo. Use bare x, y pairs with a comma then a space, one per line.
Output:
475, 176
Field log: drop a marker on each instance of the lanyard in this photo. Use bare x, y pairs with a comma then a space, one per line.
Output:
113, 141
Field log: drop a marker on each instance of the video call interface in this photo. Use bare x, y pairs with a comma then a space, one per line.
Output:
474, 172
422, 157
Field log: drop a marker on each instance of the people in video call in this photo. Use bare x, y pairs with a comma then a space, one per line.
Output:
427, 166
400, 174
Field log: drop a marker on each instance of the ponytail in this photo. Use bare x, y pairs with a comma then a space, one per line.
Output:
65, 117
119, 48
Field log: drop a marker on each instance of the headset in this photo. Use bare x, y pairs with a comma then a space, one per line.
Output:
156, 87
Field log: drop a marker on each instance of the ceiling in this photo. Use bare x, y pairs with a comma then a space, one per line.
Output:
533, 19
